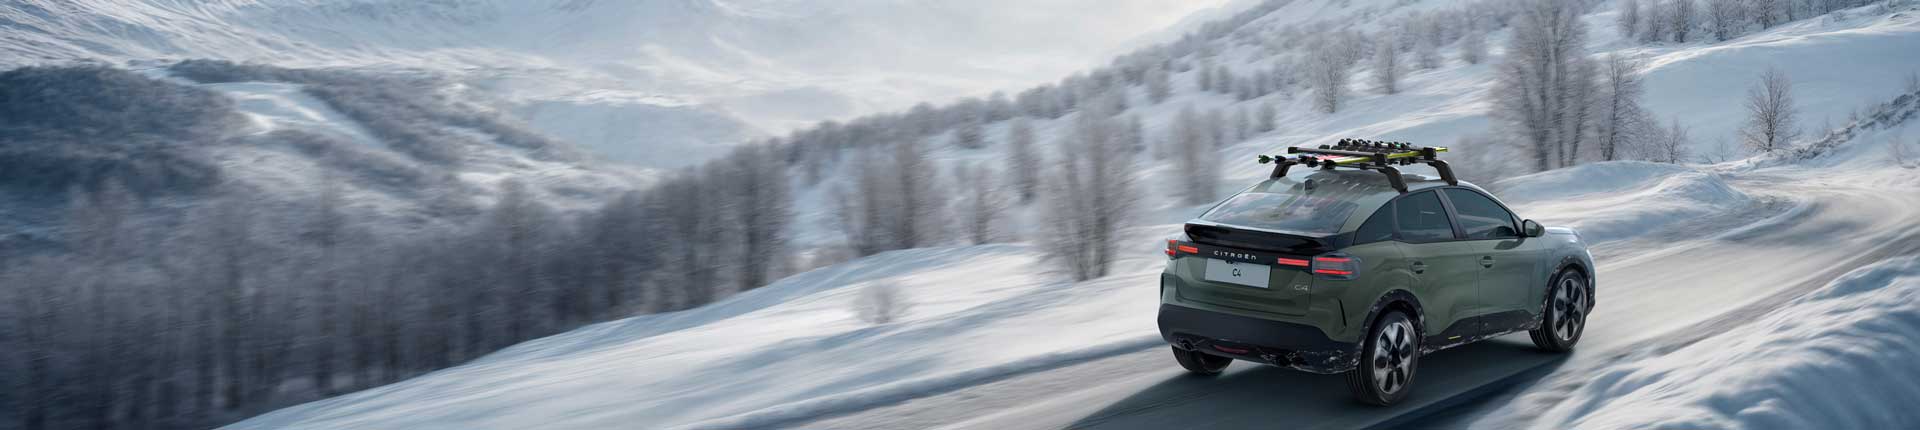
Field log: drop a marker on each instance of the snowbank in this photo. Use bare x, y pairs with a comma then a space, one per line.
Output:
1842, 357
1620, 200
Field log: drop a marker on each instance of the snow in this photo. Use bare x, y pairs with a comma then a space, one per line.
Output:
1841, 357
793, 350
1618, 200
773, 353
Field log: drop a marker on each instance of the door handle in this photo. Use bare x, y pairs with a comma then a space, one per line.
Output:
1486, 261
1419, 267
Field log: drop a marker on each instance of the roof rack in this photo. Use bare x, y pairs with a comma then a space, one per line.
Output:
1366, 155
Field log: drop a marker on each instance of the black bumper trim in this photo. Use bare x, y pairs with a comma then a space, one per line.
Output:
1297, 346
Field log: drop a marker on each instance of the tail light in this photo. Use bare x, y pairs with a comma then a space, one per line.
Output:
1177, 244
1336, 266
1176, 247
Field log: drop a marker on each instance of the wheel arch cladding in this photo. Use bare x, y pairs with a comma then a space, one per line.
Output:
1396, 299
1575, 264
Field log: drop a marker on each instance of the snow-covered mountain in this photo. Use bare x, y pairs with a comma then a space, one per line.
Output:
660, 83
793, 353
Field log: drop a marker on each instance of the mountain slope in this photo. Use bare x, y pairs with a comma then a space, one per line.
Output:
638, 81
785, 354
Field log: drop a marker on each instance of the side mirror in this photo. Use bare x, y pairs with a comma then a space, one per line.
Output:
1532, 229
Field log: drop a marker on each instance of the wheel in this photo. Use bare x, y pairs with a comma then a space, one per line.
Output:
1387, 361
1565, 316
1200, 362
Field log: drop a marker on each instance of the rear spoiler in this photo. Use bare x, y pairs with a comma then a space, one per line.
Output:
1365, 155
1260, 240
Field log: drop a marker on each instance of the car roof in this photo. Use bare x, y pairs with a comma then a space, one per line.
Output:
1368, 190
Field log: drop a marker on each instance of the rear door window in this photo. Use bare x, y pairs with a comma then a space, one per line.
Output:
1422, 218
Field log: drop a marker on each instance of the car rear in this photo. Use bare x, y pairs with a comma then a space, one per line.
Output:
1240, 279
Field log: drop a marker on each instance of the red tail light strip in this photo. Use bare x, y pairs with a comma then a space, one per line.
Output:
1293, 262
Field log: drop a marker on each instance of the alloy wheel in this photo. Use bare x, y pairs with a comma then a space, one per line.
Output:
1393, 357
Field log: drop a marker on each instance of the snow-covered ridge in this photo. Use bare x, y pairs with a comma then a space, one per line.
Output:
740, 69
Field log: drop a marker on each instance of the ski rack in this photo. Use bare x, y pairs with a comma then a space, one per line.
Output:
1365, 155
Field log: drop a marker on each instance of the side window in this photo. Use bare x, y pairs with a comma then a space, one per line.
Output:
1480, 216
1422, 218
1378, 227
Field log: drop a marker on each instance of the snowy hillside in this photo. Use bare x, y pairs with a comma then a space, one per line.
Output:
794, 352
658, 83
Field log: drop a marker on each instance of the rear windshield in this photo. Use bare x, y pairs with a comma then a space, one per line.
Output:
1288, 209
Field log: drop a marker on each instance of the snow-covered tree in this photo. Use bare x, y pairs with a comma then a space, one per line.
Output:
1656, 14
1386, 66
1326, 71
981, 205
1268, 118
1772, 119
1193, 157
1681, 18
1621, 120
1627, 17
764, 207
1023, 160
1204, 76
1159, 85
1473, 47
1670, 145
1426, 54
1726, 18
1543, 87
1091, 193
969, 135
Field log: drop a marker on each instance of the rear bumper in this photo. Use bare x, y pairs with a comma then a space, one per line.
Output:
1284, 344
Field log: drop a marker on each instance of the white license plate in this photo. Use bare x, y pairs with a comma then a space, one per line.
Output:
1248, 274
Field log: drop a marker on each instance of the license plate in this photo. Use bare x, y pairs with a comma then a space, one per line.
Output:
1248, 274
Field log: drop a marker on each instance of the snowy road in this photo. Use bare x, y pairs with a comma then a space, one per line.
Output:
1699, 278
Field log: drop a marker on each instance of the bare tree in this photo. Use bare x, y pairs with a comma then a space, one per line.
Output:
1767, 13
764, 209
1680, 21
981, 205
1092, 195
1326, 70
1671, 145
1726, 18
1622, 119
1655, 14
1386, 66
969, 135
1194, 158
1023, 160
327, 230
1897, 149
1473, 47
1426, 54
1267, 119
1627, 18
1544, 86
1159, 85
1771, 116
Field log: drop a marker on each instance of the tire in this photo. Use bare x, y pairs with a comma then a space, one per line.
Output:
1564, 317
1388, 360
1201, 363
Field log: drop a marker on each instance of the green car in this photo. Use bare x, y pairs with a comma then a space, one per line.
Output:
1360, 272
